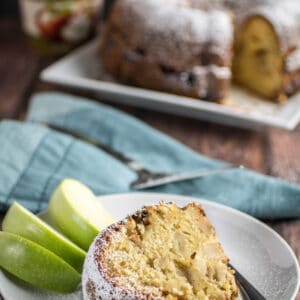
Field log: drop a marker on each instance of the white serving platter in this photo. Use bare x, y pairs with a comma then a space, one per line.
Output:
82, 70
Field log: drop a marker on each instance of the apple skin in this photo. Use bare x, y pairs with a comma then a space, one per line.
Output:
70, 223
36, 265
20, 221
73, 221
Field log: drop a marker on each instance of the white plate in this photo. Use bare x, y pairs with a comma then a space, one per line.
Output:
257, 251
82, 69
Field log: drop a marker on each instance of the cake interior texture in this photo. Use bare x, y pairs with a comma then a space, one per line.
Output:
257, 61
172, 253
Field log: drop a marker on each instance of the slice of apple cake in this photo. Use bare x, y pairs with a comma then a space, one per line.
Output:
160, 252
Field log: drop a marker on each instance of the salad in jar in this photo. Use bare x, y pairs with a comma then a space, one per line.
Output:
56, 26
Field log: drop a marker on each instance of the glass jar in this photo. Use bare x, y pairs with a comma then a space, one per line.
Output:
56, 26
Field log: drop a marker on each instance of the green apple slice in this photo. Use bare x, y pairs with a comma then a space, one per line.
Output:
36, 265
77, 213
22, 222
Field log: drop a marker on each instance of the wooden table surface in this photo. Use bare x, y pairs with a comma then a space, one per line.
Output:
271, 151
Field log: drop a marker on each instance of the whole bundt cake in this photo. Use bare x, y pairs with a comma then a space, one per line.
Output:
192, 47
160, 252
169, 46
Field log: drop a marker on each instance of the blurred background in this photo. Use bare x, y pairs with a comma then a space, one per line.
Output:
8, 7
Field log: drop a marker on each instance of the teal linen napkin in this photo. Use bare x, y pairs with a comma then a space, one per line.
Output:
34, 159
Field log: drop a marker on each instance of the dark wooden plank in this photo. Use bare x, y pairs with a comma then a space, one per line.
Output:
45, 87
18, 68
284, 154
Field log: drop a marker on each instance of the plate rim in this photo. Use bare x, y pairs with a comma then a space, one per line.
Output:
49, 74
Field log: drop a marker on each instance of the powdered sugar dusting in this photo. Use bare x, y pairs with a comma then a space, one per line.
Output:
175, 31
293, 61
203, 21
219, 72
96, 282
284, 16
285, 19
186, 46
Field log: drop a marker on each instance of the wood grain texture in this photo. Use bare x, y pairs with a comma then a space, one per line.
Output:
272, 151
19, 66
284, 154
